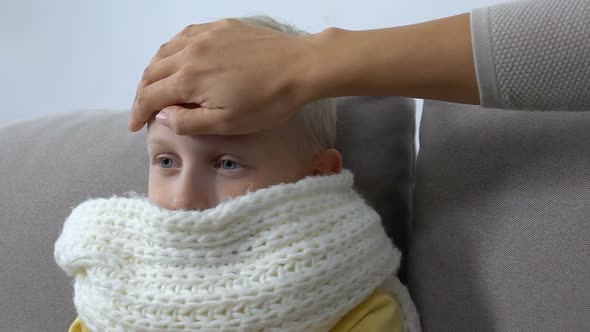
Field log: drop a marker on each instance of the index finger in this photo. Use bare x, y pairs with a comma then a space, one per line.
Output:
180, 40
154, 97
194, 29
169, 48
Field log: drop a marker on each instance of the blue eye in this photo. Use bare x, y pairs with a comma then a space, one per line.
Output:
166, 162
229, 164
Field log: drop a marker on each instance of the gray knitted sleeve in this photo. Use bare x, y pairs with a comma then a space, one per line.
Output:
533, 54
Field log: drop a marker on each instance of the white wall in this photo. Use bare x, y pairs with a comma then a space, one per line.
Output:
64, 55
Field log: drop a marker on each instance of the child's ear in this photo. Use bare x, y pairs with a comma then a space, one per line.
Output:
327, 162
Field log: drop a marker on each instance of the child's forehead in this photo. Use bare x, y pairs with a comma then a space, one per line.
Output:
160, 135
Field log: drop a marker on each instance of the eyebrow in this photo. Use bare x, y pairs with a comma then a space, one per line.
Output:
157, 141
239, 150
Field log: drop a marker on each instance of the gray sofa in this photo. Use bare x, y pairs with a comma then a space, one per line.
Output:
492, 217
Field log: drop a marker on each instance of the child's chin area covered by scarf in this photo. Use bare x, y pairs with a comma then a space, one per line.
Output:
295, 257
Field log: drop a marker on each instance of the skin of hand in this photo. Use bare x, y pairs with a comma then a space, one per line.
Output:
228, 74
235, 78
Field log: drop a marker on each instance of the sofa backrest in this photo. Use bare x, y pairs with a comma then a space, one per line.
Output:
501, 223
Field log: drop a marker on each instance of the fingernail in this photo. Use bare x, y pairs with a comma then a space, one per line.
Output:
163, 118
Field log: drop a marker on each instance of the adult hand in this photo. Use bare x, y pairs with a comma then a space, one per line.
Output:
236, 78
225, 77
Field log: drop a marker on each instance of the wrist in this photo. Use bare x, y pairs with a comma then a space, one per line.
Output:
326, 69
357, 63
348, 63
319, 73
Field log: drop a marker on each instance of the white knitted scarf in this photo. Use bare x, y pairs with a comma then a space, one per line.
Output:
291, 257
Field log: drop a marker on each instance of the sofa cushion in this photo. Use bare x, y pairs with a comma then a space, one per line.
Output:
50, 165
375, 136
501, 227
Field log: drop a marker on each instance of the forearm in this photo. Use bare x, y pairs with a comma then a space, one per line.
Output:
430, 60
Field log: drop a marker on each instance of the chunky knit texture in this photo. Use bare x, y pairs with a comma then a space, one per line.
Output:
291, 257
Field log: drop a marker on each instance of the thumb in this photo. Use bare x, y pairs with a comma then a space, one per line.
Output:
192, 121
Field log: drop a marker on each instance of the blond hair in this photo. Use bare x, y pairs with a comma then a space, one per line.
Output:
317, 118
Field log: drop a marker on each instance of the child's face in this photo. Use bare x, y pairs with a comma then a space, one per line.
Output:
199, 172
